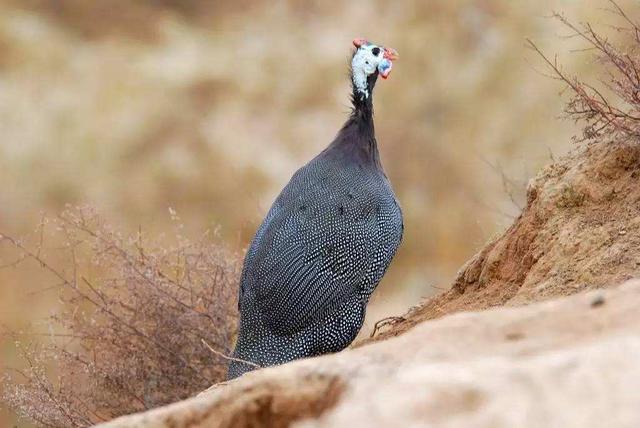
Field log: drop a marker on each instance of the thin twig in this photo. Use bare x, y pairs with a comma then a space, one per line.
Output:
385, 321
226, 357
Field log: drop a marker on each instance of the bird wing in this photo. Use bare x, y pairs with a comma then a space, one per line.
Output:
305, 263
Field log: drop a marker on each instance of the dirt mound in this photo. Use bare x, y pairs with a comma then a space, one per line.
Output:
580, 230
503, 367
271, 402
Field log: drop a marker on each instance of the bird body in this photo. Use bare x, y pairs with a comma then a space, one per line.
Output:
320, 252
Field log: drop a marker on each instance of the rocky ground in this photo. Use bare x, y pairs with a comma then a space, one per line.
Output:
566, 362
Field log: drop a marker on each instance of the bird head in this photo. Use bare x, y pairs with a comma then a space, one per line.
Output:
369, 59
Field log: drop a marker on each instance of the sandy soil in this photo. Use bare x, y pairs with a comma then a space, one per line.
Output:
571, 362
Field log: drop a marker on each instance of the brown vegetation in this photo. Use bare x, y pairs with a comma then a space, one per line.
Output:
131, 333
612, 110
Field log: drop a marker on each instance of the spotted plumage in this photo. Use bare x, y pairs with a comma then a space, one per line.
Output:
321, 250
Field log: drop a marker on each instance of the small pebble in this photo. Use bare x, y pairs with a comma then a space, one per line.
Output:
597, 301
514, 336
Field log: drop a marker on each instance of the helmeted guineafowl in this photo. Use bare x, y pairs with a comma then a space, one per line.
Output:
325, 243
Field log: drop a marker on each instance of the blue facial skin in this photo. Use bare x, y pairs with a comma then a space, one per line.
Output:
383, 66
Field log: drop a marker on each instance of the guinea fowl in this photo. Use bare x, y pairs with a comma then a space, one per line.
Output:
325, 243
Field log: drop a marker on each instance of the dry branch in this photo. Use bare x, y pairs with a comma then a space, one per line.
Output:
615, 113
136, 315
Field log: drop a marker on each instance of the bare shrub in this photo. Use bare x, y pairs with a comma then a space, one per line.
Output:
133, 329
611, 107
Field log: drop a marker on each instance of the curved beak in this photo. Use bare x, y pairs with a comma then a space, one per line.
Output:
391, 54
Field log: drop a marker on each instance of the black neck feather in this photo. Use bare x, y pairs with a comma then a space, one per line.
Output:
362, 113
356, 140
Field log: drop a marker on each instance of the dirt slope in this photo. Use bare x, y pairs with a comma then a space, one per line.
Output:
580, 230
573, 362
569, 362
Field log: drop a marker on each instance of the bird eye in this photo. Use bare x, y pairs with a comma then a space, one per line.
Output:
375, 51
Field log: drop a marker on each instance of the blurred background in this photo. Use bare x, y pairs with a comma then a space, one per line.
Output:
207, 108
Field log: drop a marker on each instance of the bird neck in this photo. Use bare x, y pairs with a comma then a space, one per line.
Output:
362, 101
359, 127
356, 141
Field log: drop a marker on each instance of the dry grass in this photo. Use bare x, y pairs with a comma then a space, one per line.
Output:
130, 336
611, 107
